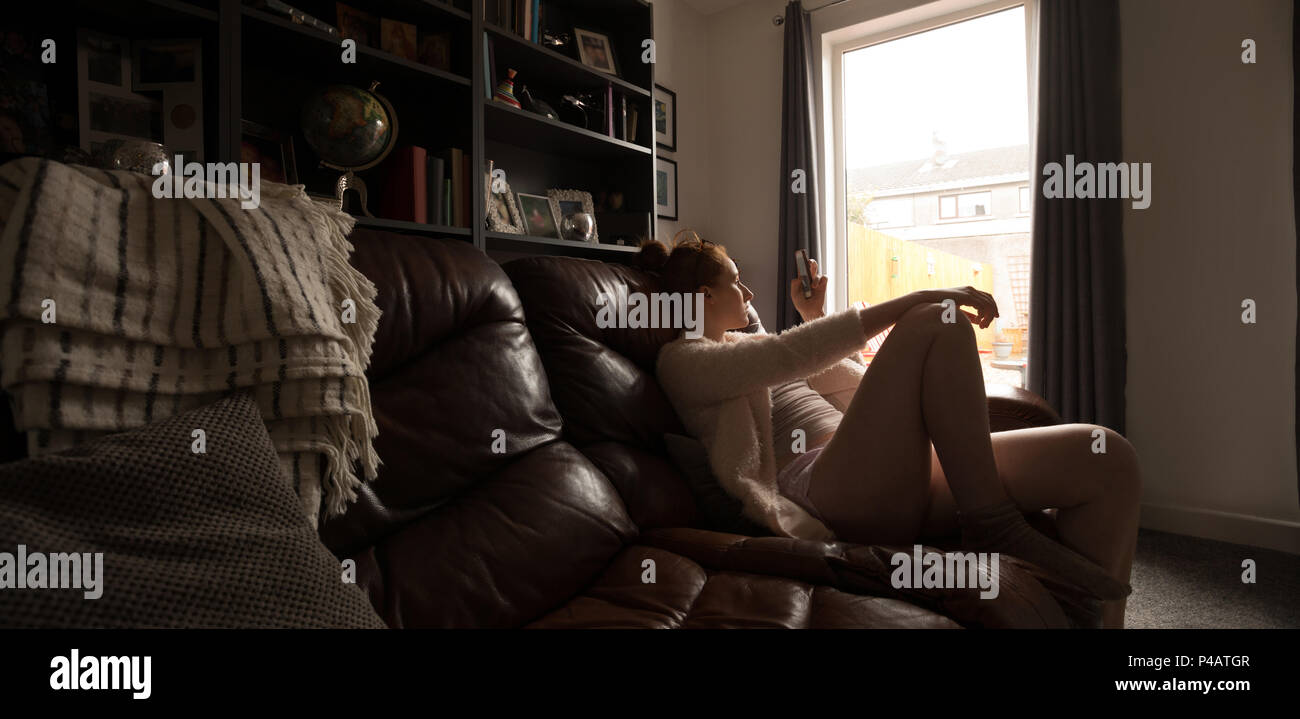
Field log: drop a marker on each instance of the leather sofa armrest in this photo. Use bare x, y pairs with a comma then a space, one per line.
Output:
1027, 596
1015, 408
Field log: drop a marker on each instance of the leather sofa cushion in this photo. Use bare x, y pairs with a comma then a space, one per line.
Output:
689, 595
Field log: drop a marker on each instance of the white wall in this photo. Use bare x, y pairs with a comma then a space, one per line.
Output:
1210, 400
744, 136
681, 42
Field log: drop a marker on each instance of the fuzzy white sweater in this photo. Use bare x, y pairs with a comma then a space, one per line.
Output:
721, 391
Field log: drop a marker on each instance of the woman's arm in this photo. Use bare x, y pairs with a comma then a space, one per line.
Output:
704, 371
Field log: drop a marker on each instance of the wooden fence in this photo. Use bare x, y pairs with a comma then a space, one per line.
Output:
882, 267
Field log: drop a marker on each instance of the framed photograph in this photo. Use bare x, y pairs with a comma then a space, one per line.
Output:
595, 51
435, 49
665, 188
183, 120
538, 218
665, 117
502, 212
397, 38
162, 64
103, 59
357, 25
568, 202
272, 149
107, 109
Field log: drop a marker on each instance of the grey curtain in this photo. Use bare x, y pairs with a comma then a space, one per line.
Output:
1077, 350
1295, 187
798, 227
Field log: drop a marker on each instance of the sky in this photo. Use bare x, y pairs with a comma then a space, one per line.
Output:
967, 81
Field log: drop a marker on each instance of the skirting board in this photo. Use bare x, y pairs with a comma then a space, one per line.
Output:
1223, 526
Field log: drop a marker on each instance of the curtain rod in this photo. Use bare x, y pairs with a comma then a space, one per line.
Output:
780, 19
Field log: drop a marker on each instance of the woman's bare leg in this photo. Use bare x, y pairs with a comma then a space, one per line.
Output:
1097, 495
925, 383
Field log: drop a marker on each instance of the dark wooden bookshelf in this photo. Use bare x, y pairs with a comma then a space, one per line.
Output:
381, 223
383, 62
515, 50
528, 244
259, 65
503, 122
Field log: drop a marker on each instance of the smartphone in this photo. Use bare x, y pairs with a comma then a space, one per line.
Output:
805, 272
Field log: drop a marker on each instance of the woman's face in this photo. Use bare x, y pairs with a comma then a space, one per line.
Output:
727, 305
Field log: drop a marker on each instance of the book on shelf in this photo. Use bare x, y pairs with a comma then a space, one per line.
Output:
489, 67
521, 17
622, 111
405, 196
609, 108
446, 201
466, 197
455, 158
436, 184
631, 123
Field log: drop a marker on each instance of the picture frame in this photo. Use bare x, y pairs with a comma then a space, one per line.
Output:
537, 215
270, 147
665, 188
103, 59
107, 108
595, 51
665, 118
176, 68
165, 64
435, 49
502, 212
356, 25
398, 38
566, 202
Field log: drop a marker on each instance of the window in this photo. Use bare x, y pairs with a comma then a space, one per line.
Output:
967, 204
931, 128
890, 212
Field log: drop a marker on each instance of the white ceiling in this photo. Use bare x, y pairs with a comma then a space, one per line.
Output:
708, 7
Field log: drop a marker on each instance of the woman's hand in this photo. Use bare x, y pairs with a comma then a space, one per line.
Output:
968, 296
809, 308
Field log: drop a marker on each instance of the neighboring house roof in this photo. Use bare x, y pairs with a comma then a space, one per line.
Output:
960, 168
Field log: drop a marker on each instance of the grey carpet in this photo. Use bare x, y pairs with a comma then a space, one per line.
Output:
1182, 582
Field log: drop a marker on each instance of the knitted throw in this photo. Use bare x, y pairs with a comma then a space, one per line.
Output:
118, 309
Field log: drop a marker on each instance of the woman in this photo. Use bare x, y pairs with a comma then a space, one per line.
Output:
910, 456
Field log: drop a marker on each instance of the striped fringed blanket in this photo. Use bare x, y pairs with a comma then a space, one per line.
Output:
118, 309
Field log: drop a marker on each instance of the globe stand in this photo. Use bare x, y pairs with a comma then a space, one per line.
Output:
350, 181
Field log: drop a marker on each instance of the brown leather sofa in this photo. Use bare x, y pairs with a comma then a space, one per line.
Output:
525, 481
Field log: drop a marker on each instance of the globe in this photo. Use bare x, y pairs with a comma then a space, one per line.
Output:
349, 128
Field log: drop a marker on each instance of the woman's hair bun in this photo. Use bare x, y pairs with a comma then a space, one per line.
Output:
653, 256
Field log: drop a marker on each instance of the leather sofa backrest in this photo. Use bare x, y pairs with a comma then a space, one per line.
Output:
481, 515
603, 381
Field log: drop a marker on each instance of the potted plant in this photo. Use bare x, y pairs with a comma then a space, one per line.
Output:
1001, 346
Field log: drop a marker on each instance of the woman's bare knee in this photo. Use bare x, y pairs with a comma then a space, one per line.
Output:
933, 317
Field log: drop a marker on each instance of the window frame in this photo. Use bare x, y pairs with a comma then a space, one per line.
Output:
956, 198
873, 30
